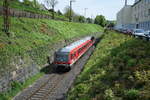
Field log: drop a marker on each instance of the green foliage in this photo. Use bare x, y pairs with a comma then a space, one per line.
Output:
109, 95
131, 94
59, 12
33, 7
67, 12
118, 70
27, 2
81, 19
4, 97
100, 20
33, 38
17, 87
89, 20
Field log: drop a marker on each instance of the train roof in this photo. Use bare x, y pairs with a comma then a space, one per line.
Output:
74, 45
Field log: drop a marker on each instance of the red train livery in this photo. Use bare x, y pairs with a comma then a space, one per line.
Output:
65, 57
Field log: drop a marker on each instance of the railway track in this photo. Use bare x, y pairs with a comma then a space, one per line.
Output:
46, 89
54, 86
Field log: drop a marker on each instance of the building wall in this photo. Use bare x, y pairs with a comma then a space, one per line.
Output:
124, 16
140, 15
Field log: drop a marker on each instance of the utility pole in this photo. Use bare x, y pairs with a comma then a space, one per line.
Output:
70, 18
125, 2
85, 9
6, 18
92, 18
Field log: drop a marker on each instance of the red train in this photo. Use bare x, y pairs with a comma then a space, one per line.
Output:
65, 57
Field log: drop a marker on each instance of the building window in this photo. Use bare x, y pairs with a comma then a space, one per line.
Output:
149, 12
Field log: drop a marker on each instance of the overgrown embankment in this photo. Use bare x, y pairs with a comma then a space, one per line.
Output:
28, 6
119, 69
30, 9
33, 37
31, 42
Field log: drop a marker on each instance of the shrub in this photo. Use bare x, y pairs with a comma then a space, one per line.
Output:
131, 63
109, 95
4, 97
131, 94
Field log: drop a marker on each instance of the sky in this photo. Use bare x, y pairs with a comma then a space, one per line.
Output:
108, 8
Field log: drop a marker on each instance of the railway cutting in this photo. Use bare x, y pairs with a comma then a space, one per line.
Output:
54, 86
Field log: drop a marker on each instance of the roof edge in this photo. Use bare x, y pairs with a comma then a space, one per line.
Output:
136, 3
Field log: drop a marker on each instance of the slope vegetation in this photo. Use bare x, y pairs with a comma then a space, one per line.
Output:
33, 37
26, 7
119, 69
30, 7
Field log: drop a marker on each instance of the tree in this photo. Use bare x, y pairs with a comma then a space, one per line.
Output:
51, 3
111, 24
59, 12
89, 20
81, 19
100, 20
67, 12
27, 2
36, 4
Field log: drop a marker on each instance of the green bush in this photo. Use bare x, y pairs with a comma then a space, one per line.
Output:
4, 97
109, 95
131, 94
131, 62
117, 70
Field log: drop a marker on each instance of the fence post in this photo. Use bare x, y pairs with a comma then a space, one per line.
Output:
6, 13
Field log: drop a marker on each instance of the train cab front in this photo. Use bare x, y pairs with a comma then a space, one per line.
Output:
61, 61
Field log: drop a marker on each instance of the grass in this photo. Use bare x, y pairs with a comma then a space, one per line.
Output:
17, 87
21, 6
31, 39
119, 69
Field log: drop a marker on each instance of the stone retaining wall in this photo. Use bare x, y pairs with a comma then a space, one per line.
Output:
23, 69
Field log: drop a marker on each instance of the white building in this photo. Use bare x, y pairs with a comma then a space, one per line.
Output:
135, 16
124, 16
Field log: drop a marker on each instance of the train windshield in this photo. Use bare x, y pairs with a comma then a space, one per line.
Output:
61, 57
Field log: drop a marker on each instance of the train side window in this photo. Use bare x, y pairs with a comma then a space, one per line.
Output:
80, 50
73, 55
